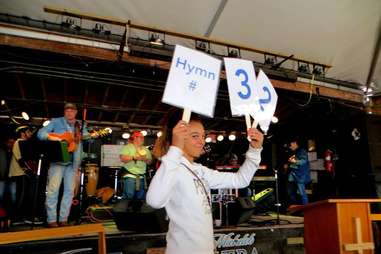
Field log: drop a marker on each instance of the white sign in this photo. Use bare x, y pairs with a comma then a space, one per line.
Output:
240, 75
193, 81
267, 101
111, 156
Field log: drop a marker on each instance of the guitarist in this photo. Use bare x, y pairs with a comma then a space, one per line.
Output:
67, 124
20, 182
298, 172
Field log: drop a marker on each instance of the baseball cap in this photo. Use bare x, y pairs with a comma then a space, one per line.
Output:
136, 134
70, 106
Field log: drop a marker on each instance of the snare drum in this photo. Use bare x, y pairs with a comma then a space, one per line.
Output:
92, 172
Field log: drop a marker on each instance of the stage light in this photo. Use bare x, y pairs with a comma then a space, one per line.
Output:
45, 123
274, 119
208, 140
144, 133
2, 102
159, 134
155, 40
270, 60
70, 23
303, 67
200, 45
97, 28
126, 135
25, 116
232, 137
318, 70
108, 129
234, 52
220, 137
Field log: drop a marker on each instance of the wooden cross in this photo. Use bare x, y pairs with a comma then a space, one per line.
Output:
359, 246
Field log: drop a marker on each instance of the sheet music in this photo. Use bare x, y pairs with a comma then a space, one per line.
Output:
110, 156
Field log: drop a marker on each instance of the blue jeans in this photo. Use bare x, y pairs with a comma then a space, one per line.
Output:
293, 188
56, 174
129, 188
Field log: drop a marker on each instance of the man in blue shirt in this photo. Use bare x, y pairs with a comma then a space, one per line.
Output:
59, 171
298, 172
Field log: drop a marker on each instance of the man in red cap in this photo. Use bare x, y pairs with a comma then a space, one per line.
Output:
135, 157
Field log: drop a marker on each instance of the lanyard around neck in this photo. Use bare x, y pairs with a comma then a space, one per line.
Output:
202, 184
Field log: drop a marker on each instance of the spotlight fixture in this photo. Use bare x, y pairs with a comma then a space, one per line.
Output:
2, 102
220, 137
234, 52
126, 135
155, 40
303, 67
201, 45
144, 133
270, 60
318, 70
97, 28
208, 140
232, 137
274, 119
159, 134
25, 116
70, 23
45, 123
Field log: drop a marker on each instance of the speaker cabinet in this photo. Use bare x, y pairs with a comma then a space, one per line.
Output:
136, 215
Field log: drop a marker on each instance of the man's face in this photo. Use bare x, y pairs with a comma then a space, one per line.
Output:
28, 134
194, 144
293, 146
138, 141
70, 114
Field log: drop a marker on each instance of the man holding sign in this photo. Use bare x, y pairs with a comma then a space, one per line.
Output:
183, 186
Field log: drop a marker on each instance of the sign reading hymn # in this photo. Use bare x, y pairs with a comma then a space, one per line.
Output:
193, 80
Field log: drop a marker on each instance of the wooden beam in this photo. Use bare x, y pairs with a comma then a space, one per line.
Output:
138, 107
157, 105
317, 90
110, 55
21, 87
45, 97
103, 102
121, 104
114, 21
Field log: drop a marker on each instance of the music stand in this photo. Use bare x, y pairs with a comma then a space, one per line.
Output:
49, 151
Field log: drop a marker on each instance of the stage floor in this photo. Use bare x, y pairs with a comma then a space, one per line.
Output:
261, 234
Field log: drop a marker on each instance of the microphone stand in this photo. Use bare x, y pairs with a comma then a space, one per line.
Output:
82, 174
277, 204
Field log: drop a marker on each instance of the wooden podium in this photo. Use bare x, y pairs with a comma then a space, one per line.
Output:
339, 226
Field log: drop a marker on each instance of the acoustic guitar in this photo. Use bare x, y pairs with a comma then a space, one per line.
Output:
71, 141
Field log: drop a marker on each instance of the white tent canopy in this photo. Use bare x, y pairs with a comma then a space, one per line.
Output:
342, 33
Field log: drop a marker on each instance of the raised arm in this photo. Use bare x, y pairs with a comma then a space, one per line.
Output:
160, 189
243, 177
